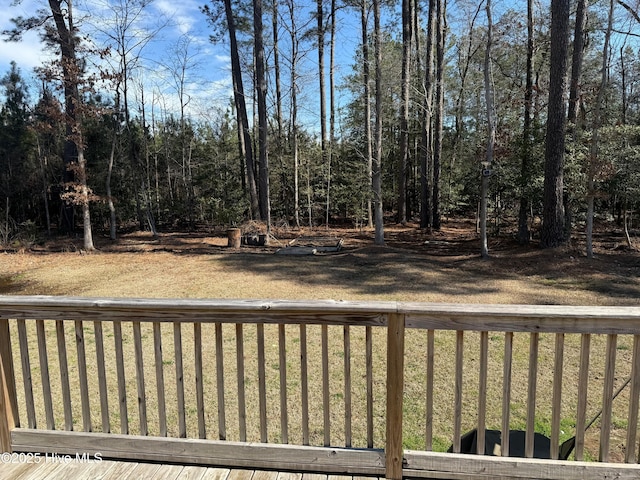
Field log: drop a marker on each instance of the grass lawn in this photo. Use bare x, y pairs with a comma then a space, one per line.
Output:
413, 266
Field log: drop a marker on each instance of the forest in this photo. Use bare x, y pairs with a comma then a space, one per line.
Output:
525, 115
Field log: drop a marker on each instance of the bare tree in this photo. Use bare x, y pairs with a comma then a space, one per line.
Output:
525, 172
426, 151
597, 123
126, 39
491, 135
377, 139
245, 143
407, 22
364, 12
320, 39
261, 91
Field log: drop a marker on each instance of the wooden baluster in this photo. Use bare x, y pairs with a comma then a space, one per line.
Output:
506, 392
583, 385
282, 365
82, 376
122, 381
482, 392
556, 411
262, 384
177, 348
222, 422
457, 409
325, 386
44, 374
64, 375
102, 377
347, 386
607, 397
8, 396
157, 352
429, 399
369, 380
304, 384
534, 340
242, 409
142, 396
26, 373
197, 349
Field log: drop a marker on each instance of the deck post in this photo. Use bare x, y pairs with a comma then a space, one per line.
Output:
8, 400
395, 390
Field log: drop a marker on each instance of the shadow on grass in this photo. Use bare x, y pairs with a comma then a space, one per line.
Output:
397, 274
384, 274
10, 284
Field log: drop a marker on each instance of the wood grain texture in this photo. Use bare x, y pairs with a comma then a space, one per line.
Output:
459, 466
203, 452
634, 400
44, 374
26, 373
82, 376
8, 402
64, 375
395, 395
556, 401
160, 390
102, 377
122, 381
140, 380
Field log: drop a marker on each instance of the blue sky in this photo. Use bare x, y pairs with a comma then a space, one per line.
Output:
174, 25
179, 29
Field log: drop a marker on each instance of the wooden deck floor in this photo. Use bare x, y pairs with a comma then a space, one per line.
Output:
114, 470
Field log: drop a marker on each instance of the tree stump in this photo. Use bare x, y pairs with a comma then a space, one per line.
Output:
234, 236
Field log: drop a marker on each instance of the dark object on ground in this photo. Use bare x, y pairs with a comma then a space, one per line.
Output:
255, 240
493, 444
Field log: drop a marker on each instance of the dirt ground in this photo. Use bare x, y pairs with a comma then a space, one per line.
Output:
414, 265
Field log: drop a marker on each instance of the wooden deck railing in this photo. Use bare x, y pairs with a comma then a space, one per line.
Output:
369, 388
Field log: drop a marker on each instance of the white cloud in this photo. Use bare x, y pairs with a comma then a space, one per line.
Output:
29, 52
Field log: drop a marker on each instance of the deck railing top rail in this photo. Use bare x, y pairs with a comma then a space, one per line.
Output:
452, 316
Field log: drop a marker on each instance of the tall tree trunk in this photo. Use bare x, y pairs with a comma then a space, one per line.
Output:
441, 6
377, 156
407, 19
597, 123
110, 204
294, 111
426, 150
71, 78
367, 107
67, 49
276, 67
576, 63
553, 222
85, 199
525, 172
491, 135
261, 92
332, 106
320, 31
246, 148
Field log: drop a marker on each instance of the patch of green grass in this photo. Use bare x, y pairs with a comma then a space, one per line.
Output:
413, 442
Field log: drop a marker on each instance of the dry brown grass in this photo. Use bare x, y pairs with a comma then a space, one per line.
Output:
447, 269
